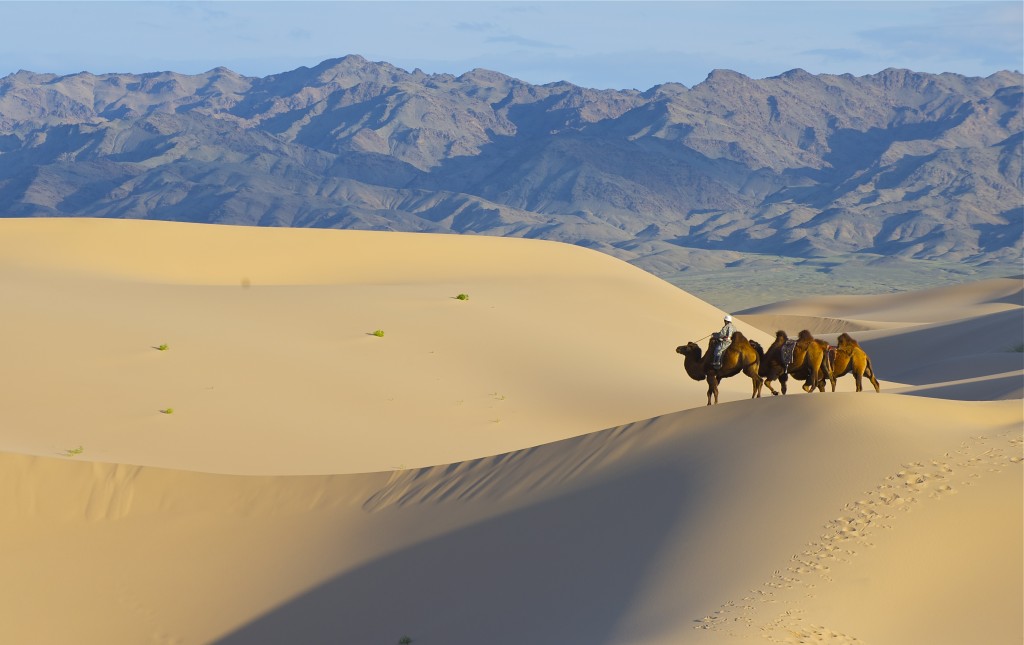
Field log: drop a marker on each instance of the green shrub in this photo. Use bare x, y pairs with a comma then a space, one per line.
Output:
168, 410
405, 640
379, 333
162, 347
462, 296
74, 452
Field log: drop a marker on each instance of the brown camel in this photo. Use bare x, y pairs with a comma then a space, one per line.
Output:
809, 361
739, 357
851, 359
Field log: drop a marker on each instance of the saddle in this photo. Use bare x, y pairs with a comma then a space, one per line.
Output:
787, 350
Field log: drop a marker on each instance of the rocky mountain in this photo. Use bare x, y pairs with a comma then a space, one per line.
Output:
898, 164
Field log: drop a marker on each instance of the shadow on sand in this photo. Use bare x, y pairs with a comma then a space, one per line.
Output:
562, 570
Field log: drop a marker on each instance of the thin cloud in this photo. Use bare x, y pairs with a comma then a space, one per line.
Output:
839, 55
524, 42
987, 33
475, 26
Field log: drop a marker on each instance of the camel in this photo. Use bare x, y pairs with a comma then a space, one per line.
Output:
810, 361
740, 356
851, 359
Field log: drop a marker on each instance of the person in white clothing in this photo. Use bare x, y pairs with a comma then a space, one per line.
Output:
724, 338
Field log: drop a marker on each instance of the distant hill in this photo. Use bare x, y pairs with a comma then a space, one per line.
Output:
899, 163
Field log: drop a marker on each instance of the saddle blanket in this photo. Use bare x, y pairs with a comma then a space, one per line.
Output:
788, 348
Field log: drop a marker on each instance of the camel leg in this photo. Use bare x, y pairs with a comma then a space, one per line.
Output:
784, 379
857, 376
812, 381
821, 383
712, 388
869, 373
826, 375
757, 381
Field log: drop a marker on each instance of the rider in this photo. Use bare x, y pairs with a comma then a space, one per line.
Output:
724, 338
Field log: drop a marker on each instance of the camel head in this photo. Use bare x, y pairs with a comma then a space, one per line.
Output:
690, 350
805, 335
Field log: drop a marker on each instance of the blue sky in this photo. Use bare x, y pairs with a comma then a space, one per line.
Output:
603, 44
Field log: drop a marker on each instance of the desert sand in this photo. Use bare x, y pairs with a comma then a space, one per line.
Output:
527, 465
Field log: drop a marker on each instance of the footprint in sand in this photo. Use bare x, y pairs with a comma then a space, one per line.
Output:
846, 534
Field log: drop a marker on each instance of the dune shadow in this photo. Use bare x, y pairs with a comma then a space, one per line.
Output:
564, 570
959, 349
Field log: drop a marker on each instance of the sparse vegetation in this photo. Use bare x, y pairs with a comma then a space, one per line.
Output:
162, 347
1019, 348
462, 296
379, 333
74, 452
167, 411
405, 640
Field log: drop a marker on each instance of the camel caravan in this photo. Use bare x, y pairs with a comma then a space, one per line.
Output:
814, 361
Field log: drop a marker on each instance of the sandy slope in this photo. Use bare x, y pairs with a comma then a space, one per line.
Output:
284, 376
502, 511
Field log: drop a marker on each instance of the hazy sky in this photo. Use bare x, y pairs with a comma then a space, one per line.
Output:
603, 44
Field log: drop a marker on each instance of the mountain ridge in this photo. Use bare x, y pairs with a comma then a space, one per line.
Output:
899, 163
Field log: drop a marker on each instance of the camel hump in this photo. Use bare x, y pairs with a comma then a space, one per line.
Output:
737, 336
846, 339
757, 348
805, 335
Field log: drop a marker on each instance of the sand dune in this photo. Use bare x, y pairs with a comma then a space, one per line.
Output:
284, 376
961, 342
527, 466
938, 304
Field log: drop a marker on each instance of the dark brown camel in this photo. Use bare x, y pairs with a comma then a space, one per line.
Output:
739, 357
851, 359
810, 362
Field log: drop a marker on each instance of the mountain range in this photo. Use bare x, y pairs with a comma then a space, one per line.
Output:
897, 164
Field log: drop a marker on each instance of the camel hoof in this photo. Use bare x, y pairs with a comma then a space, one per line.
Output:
775, 393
